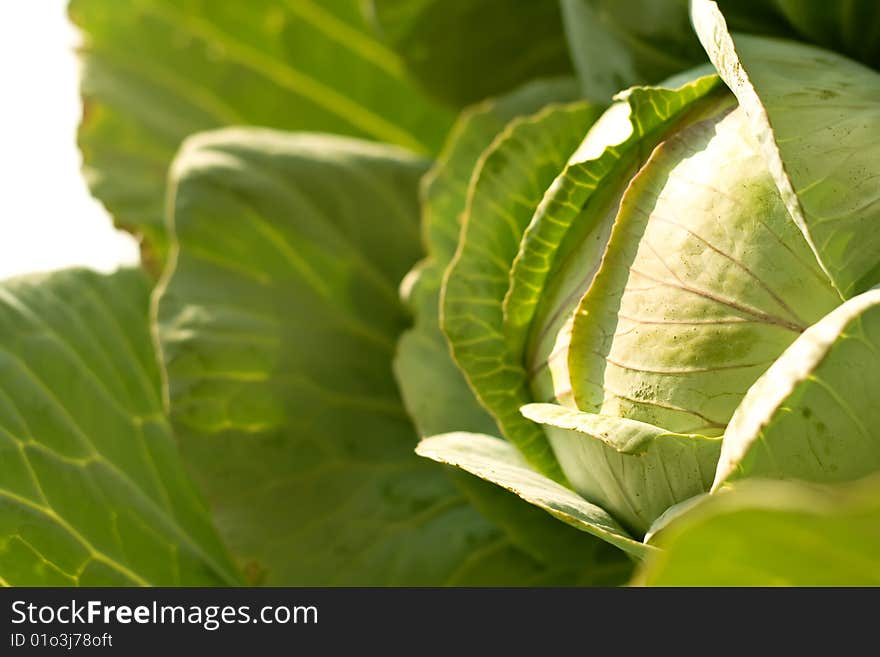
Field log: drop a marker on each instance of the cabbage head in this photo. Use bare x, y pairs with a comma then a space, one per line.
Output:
660, 298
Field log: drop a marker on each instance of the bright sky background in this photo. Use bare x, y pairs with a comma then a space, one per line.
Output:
48, 220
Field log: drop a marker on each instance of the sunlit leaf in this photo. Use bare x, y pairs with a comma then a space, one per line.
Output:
156, 71
464, 51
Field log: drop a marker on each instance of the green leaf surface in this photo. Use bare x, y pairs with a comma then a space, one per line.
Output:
156, 71
464, 51
444, 188
278, 323
497, 461
773, 534
92, 487
430, 382
814, 414
509, 183
816, 116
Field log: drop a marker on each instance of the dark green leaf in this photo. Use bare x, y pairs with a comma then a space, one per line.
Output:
616, 44
463, 51
851, 27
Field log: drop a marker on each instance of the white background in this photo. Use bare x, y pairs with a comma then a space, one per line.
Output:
48, 220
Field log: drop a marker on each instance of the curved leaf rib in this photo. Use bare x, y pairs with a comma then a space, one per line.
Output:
505, 189
431, 384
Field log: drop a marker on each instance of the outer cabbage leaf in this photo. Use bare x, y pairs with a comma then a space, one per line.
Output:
813, 414
816, 116
464, 51
508, 184
156, 71
636, 469
430, 382
569, 556
766, 533
93, 491
497, 461
434, 390
278, 321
